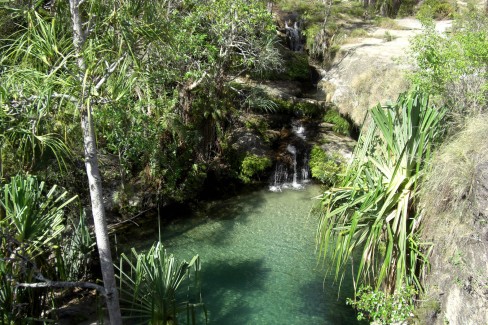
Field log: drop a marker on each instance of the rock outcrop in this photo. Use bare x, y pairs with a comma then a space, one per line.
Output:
372, 69
456, 224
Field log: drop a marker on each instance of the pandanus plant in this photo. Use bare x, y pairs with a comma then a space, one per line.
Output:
151, 287
372, 214
31, 225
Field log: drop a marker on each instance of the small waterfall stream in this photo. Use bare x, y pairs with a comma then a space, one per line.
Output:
294, 37
292, 170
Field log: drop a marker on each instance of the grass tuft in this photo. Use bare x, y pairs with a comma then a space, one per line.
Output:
449, 185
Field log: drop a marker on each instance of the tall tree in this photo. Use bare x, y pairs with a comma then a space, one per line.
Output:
91, 163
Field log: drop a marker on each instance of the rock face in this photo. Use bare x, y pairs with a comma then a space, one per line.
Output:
457, 226
371, 69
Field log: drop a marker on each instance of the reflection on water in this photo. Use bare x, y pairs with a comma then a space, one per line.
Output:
258, 261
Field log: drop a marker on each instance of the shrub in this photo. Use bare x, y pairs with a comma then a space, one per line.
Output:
31, 225
359, 32
251, 166
295, 68
324, 167
382, 308
453, 67
436, 9
388, 37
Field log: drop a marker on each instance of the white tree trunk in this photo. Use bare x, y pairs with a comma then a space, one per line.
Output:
94, 180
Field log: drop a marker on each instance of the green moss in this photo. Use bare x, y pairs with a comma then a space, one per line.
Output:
324, 167
302, 108
251, 166
341, 125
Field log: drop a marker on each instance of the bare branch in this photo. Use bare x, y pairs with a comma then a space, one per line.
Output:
46, 283
109, 71
197, 82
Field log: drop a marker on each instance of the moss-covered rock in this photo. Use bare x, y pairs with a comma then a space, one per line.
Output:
340, 124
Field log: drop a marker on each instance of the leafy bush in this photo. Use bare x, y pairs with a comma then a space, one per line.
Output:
436, 9
251, 166
388, 37
341, 125
453, 67
383, 308
324, 167
295, 68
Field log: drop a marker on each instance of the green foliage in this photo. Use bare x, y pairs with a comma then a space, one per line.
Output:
311, 11
324, 167
257, 100
163, 106
257, 124
453, 67
407, 8
297, 68
31, 244
388, 37
35, 217
341, 124
373, 206
359, 32
251, 166
436, 9
152, 287
73, 262
382, 308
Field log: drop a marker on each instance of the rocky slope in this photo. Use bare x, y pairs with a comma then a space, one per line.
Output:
371, 68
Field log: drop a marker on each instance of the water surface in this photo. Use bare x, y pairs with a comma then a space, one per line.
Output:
258, 261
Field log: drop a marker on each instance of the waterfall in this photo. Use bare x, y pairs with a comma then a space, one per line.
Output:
299, 130
292, 171
294, 37
291, 149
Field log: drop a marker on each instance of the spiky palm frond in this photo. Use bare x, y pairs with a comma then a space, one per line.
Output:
35, 216
150, 286
373, 209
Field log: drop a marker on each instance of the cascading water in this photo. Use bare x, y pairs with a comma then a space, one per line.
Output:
292, 170
294, 37
291, 149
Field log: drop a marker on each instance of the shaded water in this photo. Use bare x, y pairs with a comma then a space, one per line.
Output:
258, 261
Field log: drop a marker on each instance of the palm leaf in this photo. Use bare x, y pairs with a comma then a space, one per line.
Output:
151, 286
384, 174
